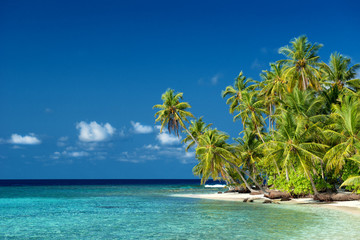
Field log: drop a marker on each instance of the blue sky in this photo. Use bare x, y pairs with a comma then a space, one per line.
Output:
79, 78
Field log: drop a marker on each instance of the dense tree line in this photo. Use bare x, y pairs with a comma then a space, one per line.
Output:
301, 126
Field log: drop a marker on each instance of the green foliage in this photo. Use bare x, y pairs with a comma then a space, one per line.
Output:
351, 170
313, 135
322, 185
298, 185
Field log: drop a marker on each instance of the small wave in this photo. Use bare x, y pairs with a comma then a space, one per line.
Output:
215, 186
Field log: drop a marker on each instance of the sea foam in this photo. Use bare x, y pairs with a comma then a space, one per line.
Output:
215, 186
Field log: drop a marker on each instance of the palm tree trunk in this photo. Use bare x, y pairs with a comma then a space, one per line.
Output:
313, 184
322, 169
270, 127
244, 180
257, 129
287, 174
277, 168
183, 125
228, 175
242, 171
304, 81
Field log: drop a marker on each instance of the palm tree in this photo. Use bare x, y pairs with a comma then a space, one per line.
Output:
241, 86
293, 145
249, 151
251, 109
214, 153
304, 105
273, 88
211, 143
303, 62
340, 73
274, 81
344, 132
173, 112
196, 128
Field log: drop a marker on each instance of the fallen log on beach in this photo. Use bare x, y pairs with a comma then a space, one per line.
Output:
278, 195
238, 190
330, 197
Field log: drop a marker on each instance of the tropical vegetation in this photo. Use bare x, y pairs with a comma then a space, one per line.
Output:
300, 126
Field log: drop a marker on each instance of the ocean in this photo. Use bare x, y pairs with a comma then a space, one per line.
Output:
149, 209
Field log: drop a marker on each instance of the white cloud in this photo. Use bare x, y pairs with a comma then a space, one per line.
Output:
25, 140
141, 129
215, 79
255, 64
78, 154
168, 139
66, 154
210, 82
135, 157
152, 147
94, 132
62, 141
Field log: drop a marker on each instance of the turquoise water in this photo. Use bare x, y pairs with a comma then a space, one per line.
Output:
152, 212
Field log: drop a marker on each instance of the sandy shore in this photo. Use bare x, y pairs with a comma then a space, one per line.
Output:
347, 206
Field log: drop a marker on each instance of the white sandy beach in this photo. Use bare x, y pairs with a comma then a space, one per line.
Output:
348, 206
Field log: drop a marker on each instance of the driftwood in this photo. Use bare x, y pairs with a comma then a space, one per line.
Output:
238, 190
256, 193
278, 195
329, 197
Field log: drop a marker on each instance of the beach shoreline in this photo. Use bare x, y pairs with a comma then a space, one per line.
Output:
352, 207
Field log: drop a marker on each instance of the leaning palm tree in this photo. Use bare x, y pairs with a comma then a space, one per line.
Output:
210, 162
214, 154
344, 132
173, 112
303, 62
196, 128
249, 151
339, 72
241, 86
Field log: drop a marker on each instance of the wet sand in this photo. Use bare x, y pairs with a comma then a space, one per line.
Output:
352, 207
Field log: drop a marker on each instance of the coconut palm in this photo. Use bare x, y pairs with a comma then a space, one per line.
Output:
344, 132
249, 150
196, 128
293, 146
214, 154
303, 104
273, 88
303, 62
339, 72
241, 86
173, 112
210, 162
274, 81
251, 109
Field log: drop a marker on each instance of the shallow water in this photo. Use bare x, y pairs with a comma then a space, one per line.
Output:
141, 211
